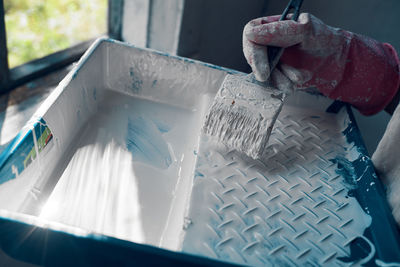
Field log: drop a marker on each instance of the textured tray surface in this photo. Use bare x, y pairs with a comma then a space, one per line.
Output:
292, 208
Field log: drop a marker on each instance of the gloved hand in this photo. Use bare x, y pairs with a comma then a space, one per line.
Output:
342, 65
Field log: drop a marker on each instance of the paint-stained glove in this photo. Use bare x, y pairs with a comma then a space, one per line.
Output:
340, 64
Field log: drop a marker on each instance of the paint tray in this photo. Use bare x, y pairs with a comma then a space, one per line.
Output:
112, 169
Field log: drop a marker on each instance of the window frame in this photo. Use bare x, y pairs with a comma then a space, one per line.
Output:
14, 77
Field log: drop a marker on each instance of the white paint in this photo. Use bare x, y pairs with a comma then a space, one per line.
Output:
159, 78
295, 165
108, 188
74, 103
97, 191
14, 170
173, 235
243, 115
386, 264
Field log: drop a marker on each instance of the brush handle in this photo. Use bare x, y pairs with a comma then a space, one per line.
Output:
275, 53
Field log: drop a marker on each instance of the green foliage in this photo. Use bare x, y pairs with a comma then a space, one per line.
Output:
36, 28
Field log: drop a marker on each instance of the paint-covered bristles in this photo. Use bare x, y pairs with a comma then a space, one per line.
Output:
242, 115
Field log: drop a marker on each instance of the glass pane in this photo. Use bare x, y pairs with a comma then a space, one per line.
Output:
36, 28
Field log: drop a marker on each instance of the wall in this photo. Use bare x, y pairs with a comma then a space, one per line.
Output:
375, 18
212, 30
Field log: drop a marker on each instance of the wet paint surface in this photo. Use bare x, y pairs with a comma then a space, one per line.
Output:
124, 168
293, 207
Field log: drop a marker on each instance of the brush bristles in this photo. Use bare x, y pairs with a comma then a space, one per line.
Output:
243, 114
239, 128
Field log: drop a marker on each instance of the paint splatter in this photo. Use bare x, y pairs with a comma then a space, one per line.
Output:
137, 83
146, 143
162, 127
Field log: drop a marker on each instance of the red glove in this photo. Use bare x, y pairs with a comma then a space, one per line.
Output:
340, 64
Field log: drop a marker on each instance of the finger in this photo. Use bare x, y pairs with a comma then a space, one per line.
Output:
269, 19
279, 33
297, 76
280, 81
264, 20
257, 57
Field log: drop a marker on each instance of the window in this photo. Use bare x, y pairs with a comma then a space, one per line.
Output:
37, 28
38, 36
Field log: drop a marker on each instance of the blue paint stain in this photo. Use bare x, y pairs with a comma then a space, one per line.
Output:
137, 83
146, 143
74, 74
83, 93
198, 174
369, 192
95, 93
161, 126
347, 169
31, 85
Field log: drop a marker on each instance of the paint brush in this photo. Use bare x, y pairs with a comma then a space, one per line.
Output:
244, 110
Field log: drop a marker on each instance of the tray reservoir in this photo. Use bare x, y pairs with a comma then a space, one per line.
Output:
125, 167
